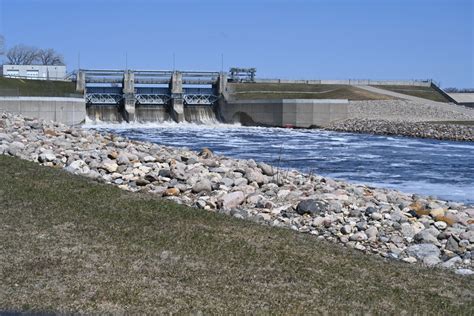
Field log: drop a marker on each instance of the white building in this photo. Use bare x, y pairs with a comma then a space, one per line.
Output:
37, 72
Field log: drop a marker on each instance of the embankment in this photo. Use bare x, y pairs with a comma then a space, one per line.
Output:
72, 246
409, 118
384, 222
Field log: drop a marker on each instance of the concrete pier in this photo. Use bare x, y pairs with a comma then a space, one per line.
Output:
221, 84
177, 103
81, 81
128, 89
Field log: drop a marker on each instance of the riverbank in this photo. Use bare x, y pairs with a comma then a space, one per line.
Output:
72, 245
383, 222
432, 130
428, 119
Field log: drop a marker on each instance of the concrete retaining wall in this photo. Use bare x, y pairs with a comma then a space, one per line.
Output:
69, 111
301, 113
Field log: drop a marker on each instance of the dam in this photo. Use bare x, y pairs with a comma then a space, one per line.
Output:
194, 96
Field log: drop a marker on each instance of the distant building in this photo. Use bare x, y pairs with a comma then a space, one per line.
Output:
36, 72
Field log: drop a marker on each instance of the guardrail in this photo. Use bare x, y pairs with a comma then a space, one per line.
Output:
354, 82
35, 78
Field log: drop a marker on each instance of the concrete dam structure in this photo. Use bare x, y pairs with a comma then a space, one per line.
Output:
192, 96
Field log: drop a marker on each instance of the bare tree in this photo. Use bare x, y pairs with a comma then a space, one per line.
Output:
22, 55
2, 45
49, 57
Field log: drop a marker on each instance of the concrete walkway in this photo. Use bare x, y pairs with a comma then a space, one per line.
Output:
399, 95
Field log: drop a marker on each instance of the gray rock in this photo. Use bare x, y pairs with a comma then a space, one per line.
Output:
464, 272
346, 229
372, 233
431, 261
240, 181
359, 236
362, 225
227, 182
232, 199
266, 169
149, 159
449, 264
422, 251
355, 213
166, 173
369, 210
253, 175
47, 156
425, 237
122, 159
335, 206
203, 185
376, 216
78, 167
452, 244
109, 165
311, 206
407, 230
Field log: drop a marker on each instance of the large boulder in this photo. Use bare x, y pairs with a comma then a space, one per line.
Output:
311, 206
426, 237
252, 175
47, 156
109, 165
78, 167
203, 185
422, 251
266, 169
232, 200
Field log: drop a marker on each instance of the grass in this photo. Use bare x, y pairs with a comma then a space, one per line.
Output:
46, 88
244, 91
421, 92
72, 245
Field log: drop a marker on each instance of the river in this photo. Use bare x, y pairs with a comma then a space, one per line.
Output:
443, 169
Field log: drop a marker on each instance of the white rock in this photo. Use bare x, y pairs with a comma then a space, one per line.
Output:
109, 165
441, 225
149, 159
232, 200
409, 260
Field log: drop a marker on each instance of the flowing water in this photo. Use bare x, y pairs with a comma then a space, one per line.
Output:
443, 169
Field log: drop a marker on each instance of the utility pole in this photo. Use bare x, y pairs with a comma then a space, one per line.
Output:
222, 62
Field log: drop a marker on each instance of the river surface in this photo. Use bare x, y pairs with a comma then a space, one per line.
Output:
443, 169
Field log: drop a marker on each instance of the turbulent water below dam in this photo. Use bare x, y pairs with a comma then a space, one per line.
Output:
443, 169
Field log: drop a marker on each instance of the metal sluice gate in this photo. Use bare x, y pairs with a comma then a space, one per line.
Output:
149, 87
149, 99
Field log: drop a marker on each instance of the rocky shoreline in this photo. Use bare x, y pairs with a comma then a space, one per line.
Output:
440, 131
383, 222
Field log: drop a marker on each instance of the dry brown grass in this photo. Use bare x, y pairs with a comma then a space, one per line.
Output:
245, 91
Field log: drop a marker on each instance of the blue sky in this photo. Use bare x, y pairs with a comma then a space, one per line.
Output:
294, 39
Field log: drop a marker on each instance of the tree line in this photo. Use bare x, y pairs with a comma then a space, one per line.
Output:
454, 90
30, 55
